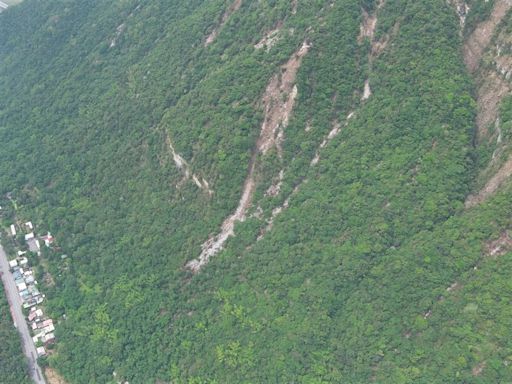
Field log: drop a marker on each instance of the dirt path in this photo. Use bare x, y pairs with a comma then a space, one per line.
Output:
278, 101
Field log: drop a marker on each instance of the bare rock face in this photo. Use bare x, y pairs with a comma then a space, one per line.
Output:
492, 66
479, 40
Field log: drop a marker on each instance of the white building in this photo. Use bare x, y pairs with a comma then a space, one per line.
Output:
41, 351
22, 286
13, 230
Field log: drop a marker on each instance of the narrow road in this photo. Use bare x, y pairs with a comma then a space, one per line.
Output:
15, 302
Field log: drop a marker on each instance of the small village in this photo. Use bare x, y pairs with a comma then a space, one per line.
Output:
41, 326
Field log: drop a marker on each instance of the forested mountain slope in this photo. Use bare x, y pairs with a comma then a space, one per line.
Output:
266, 192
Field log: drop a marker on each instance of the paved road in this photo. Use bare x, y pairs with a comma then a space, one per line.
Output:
15, 302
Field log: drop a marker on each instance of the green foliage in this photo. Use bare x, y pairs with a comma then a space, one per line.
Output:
13, 367
346, 286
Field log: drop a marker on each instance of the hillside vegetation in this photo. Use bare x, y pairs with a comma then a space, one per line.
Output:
12, 364
321, 152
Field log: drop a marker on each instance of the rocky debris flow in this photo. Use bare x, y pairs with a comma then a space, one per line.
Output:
500, 246
493, 84
462, 10
235, 6
184, 167
367, 31
480, 38
492, 185
270, 39
336, 129
278, 102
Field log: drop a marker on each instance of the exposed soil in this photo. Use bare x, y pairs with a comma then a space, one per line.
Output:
275, 188
53, 377
276, 211
367, 92
367, 31
235, 6
462, 10
336, 129
481, 37
119, 31
489, 95
270, 38
184, 167
492, 185
367, 27
478, 369
455, 286
499, 246
278, 101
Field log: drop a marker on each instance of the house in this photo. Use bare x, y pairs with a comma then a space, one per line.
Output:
21, 286
49, 329
37, 337
48, 239
46, 323
47, 338
32, 315
40, 351
34, 326
29, 280
13, 263
30, 303
32, 242
35, 315
21, 253
23, 261
29, 225
13, 230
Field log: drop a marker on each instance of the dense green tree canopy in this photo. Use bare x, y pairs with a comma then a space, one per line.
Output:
349, 285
